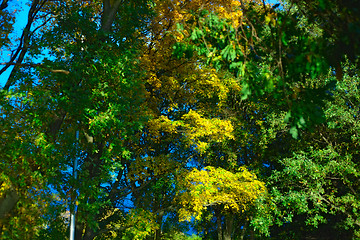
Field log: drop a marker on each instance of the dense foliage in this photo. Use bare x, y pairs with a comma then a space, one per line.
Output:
195, 119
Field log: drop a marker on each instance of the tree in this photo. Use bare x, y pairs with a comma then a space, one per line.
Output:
185, 103
225, 193
157, 89
271, 52
81, 97
314, 188
281, 56
79, 87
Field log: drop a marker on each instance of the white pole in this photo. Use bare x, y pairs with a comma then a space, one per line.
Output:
72, 216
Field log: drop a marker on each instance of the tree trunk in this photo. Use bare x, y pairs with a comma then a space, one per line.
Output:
244, 230
252, 234
89, 234
219, 225
79, 228
159, 220
229, 223
109, 13
8, 203
157, 234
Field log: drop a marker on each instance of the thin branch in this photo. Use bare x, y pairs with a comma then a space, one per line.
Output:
326, 140
357, 222
34, 65
23, 46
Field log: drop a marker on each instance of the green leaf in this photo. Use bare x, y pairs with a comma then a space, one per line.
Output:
294, 132
245, 92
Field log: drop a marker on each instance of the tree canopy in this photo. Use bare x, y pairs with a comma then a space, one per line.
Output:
201, 119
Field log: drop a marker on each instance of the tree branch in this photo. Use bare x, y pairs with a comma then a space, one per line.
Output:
109, 13
34, 65
21, 50
3, 5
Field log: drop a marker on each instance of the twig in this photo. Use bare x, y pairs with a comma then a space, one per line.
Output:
34, 65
